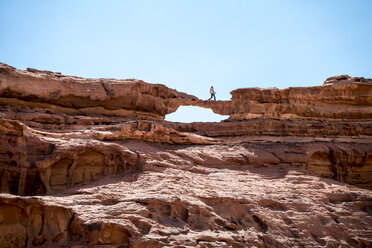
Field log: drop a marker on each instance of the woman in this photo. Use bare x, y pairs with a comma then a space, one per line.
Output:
213, 93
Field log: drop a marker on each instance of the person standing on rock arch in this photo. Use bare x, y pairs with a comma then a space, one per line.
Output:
213, 93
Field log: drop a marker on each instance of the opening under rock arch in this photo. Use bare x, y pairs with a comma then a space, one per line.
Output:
189, 114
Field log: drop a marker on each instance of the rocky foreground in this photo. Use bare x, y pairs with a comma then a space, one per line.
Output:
92, 163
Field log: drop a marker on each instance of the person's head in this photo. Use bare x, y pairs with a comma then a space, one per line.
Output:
211, 86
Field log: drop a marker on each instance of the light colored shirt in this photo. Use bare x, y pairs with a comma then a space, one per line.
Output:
211, 90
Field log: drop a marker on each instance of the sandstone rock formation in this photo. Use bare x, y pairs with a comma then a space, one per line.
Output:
91, 163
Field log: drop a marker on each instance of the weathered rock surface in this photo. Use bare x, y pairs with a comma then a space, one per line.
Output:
74, 95
340, 97
89, 162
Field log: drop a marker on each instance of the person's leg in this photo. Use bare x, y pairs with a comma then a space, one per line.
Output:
214, 96
210, 97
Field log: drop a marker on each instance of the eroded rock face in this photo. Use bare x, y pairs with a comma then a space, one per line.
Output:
33, 163
35, 223
344, 99
74, 95
340, 97
89, 162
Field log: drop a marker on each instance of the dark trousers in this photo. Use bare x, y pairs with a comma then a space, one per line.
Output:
213, 95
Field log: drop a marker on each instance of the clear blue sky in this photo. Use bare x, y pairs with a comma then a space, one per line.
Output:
190, 44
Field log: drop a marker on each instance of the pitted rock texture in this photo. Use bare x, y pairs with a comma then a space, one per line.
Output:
90, 163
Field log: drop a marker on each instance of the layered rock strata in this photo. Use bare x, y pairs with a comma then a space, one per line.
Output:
340, 97
90, 162
74, 95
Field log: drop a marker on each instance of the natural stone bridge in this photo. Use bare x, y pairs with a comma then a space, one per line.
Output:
289, 168
339, 98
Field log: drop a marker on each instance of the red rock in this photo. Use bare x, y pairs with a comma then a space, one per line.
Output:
89, 162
